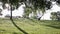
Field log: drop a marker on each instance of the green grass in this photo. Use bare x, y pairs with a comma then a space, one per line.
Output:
29, 26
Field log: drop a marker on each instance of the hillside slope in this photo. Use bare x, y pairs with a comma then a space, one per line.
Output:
29, 26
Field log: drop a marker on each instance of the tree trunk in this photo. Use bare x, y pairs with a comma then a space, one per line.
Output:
41, 16
11, 13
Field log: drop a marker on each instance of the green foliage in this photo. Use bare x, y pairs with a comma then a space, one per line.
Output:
27, 11
38, 4
53, 15
31, 5
58, 1
11, 2
58, 15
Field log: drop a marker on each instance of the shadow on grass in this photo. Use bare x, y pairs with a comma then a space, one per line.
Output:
33, 20
53, 26
57, 27
18, 27
1, 30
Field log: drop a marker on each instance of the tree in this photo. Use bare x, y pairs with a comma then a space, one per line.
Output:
55, 15
58, 15
0, 11
12, 3
16, 4
31, 5
38, 4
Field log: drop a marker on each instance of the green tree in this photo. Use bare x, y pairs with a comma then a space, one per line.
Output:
12, 3
38, 4
55, 15
58, 15
31, 4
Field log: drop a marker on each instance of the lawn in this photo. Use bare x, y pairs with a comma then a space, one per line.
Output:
29, 26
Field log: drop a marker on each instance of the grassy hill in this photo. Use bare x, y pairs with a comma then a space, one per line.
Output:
29, 26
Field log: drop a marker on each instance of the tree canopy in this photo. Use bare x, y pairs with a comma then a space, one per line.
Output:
32, 5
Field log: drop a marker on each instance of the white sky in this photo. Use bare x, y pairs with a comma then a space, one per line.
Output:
16, 12
54, 8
